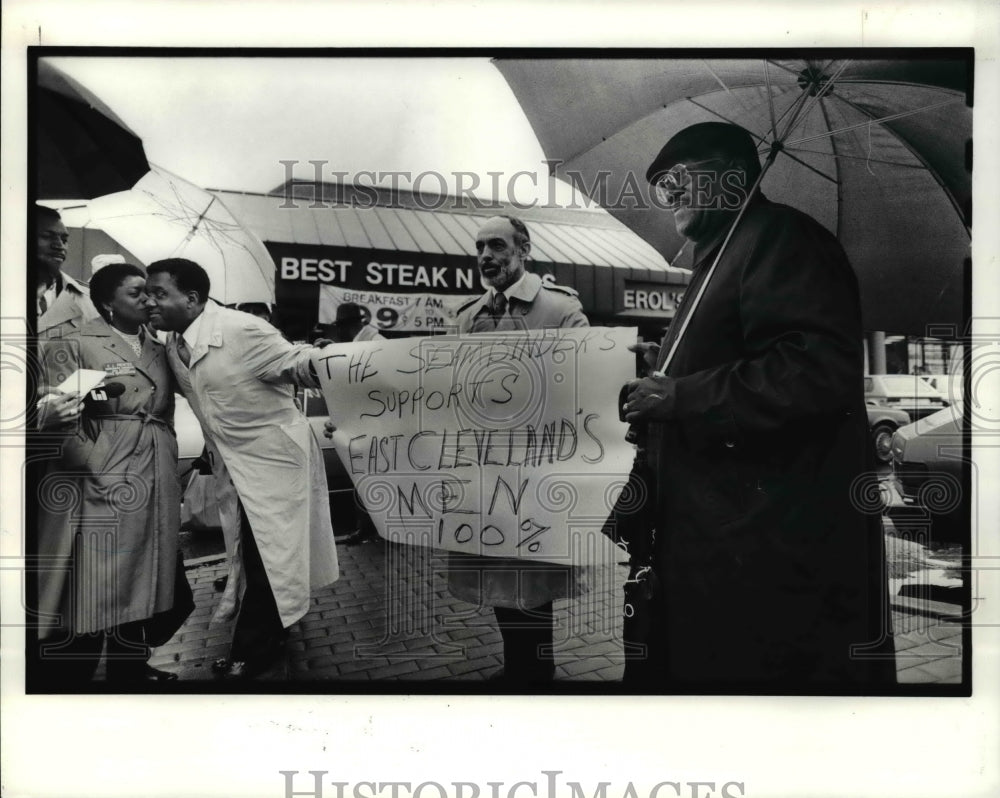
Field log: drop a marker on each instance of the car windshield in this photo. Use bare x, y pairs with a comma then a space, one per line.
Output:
905, 385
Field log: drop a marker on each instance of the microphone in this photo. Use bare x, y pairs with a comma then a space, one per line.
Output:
92, 400
103, 393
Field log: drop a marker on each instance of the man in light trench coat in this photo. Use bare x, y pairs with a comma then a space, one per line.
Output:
237, 371
520, 591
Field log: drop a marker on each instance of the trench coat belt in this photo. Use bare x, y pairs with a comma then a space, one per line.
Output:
143, 416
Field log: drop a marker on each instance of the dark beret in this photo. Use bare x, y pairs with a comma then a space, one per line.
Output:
703, 141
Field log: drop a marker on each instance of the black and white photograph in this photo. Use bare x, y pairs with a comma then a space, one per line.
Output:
625, 386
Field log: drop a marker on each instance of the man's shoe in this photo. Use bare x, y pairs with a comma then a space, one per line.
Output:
242, 670
342, 539
360, 536
151, 674
230, 669
234, 670
147, 673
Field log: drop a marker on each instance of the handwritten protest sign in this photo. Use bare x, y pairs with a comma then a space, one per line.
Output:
503, 444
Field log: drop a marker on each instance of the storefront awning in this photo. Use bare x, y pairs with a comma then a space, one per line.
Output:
405, 244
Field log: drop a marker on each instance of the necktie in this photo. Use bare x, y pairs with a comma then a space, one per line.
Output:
499, 308
182, 351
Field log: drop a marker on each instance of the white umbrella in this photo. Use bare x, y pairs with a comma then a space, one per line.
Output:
164, 216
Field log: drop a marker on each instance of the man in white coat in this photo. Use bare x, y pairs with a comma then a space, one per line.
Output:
237, 372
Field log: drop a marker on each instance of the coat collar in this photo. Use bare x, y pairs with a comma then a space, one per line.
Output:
152, 349
524, 291
705, 252
72, 284
209, 333
71, 305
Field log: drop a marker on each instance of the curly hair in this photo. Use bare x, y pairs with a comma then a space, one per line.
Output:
106, 281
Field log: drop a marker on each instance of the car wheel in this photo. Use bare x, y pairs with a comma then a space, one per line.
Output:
882, 438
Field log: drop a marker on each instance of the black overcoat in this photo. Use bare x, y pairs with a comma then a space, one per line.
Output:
768, 542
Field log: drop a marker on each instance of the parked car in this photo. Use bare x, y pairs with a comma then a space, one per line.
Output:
929, 462
950, 386
189, 438
190, 444
199, 504
314, 406
338, 481
907, 392
883, 423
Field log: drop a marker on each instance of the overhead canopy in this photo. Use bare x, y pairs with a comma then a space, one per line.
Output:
401, 246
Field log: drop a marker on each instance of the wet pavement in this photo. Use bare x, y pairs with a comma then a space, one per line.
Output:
390, 619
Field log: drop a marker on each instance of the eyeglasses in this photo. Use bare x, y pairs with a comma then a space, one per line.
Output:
678, 177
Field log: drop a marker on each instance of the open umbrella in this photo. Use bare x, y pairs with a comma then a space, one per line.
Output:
83, 149
165, 216
876, 150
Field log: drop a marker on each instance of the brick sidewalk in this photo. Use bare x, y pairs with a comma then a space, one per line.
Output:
390, 617
928, 648
353, 634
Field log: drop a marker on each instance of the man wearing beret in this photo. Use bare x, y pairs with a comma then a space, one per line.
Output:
771, 574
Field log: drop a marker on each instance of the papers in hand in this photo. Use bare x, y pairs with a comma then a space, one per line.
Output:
82, 381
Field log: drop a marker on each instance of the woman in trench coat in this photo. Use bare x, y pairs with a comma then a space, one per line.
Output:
109, 512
